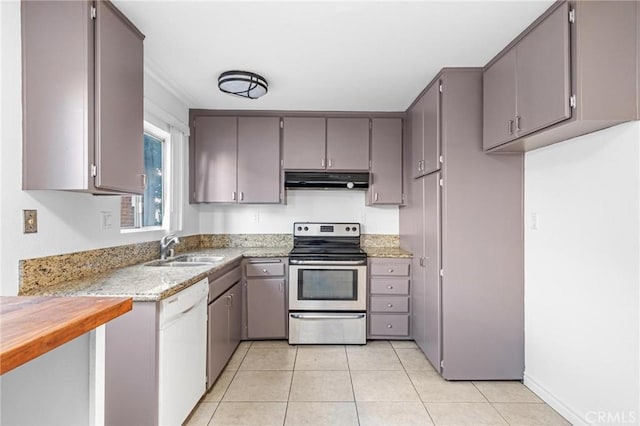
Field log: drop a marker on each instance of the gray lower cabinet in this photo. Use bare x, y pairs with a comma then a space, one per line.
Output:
266, 298
464, 227
225, 320
83, 98
386, 161
571, 72
131, 367
389, 307
235, 159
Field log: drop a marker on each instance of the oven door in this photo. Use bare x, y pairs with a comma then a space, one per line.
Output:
328, 287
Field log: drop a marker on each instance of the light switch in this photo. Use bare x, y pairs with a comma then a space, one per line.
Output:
533, 221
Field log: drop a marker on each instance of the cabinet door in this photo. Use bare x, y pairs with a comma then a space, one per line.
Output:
259, 160
386, 161
543, 78
348, 144
432, 264
431, 112
119, 97
215, 159
416, 117
416, 243
235, 317
266, 309
218, 338
304, 143
499, 101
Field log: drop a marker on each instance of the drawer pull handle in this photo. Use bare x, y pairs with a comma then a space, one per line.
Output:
389, 305
390, 287
389, 326
390, 270
264, 270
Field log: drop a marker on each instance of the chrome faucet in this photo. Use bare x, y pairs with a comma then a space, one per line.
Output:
166, 244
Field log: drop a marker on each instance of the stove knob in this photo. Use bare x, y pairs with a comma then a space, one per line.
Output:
299, 228
306, 228
354, 229
347, 228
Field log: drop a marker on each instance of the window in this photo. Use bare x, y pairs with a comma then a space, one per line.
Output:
150, 209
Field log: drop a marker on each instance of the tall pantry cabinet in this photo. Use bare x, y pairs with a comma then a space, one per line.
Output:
463, 224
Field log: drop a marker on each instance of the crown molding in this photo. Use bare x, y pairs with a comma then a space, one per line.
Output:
151, 69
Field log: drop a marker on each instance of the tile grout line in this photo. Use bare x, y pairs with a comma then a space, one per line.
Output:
235, 372
293, 372
353, 390
413, 384
490, 402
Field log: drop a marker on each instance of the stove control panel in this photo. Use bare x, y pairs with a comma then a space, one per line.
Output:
307, 229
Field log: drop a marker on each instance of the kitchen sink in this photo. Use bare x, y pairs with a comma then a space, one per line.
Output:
186, 261
198, 259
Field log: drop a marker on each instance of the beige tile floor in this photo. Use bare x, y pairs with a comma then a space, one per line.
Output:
382, 383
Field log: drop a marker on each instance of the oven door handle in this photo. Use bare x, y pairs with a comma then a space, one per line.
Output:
328, 263
316, 316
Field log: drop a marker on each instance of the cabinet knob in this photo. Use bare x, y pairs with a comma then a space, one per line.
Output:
264, 270
330, 162
390, 270
390, 287
389, 326
389, 305
322, 162
375, 197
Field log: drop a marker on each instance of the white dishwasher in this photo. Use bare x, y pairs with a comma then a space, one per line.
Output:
182, 340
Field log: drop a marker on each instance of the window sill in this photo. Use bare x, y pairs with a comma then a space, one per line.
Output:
145, 229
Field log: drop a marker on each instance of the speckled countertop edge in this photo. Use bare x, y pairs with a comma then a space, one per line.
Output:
152, 283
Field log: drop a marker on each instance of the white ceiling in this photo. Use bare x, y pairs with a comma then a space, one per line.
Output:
322, 56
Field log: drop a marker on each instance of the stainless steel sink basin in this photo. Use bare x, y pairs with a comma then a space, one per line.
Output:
198, 259
186, 261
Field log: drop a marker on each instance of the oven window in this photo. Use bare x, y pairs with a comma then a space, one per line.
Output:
326, 284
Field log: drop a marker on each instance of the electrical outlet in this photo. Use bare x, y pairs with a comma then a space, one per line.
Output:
105, 221
30, 221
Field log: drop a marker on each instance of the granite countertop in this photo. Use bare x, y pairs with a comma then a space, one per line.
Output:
393, 252
153, 283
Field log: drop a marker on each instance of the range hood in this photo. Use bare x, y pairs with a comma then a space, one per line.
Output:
326, 180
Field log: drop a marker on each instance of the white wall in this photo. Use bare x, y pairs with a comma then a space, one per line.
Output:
67, 222
310, 205
582, 298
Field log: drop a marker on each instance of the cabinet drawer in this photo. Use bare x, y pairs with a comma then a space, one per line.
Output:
389, 286
389, 325
219, 285
390, 269
389, 304
265, 269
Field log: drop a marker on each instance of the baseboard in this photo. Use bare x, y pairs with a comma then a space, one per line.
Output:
548, 397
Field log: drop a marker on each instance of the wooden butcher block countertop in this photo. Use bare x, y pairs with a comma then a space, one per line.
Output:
32, 326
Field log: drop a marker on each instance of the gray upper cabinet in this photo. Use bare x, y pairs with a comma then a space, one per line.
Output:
258, 160
235, 160
528, 88
348, 144
574, 71
416, 119
425, 131
500, 101
215, 159
93, 141
304, 143
314, 143
386, 161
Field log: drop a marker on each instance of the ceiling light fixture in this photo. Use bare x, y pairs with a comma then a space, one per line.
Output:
243, 83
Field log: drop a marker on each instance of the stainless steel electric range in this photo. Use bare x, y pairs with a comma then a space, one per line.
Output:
327, 284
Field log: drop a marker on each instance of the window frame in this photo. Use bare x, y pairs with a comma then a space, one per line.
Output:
167, 166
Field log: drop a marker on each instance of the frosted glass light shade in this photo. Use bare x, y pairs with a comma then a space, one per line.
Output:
243, 83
